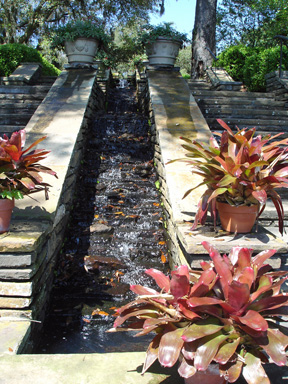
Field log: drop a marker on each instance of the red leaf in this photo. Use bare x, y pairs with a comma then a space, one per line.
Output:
162, 280
179, 286
238, 295
221, 267
259, 259
140, 290
184, 308
254, 320
231, 370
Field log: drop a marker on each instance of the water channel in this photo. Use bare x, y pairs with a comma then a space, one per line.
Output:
116, 231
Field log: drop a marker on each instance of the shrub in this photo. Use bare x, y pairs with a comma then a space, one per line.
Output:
184, 61
250, 65
259, 64
233, 60
12, 55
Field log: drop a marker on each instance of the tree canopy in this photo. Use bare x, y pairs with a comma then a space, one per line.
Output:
251, 22
22, 21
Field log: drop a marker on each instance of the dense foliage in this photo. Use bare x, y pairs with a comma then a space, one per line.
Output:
250, 65
183, 61
12, 55
253, 23
24, 21
227, 313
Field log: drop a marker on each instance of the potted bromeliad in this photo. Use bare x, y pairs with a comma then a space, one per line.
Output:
19, 173
240, 171
162, 43
81, 40
229, 316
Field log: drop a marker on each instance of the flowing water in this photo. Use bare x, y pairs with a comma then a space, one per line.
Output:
116, 231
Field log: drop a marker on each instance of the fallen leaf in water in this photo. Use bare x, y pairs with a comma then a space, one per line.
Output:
99, 312
163, 258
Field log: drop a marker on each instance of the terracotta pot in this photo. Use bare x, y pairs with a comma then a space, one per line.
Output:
237, 219
81, 51
210, 376
163, 51
6, 208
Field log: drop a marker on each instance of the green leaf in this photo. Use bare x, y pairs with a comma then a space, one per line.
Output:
227, 180
201, 329
152, 353
207, 349
226, 351
253, 371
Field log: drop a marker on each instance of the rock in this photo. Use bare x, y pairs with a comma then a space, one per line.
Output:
100, 228
93, 263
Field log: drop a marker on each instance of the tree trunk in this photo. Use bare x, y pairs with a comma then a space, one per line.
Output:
203, 40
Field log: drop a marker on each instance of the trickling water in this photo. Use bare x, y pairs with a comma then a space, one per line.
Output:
115, 233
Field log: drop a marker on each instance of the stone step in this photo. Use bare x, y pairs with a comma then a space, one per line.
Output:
46, 80
262, 124
232, 94
15, 119
21, 98
8, 129
249, 104
246, 113
24, 89
17, 108
199, 85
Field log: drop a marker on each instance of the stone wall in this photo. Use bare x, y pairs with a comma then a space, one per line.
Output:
278, 85
28, 252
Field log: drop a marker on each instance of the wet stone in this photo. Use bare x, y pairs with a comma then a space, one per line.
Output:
115, 233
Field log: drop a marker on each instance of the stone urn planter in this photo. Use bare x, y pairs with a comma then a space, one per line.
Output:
162, 43
82, 50
163, 51
81, 40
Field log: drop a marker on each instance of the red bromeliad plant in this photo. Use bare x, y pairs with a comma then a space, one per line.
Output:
19, 168
228, 313
242, 169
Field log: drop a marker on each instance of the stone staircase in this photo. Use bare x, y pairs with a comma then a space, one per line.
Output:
18, 102
240, 108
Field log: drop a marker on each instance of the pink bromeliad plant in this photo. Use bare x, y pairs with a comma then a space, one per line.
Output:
228, 313
20, 168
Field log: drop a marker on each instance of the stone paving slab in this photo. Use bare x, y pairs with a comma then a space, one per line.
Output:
13, 335
110, 368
